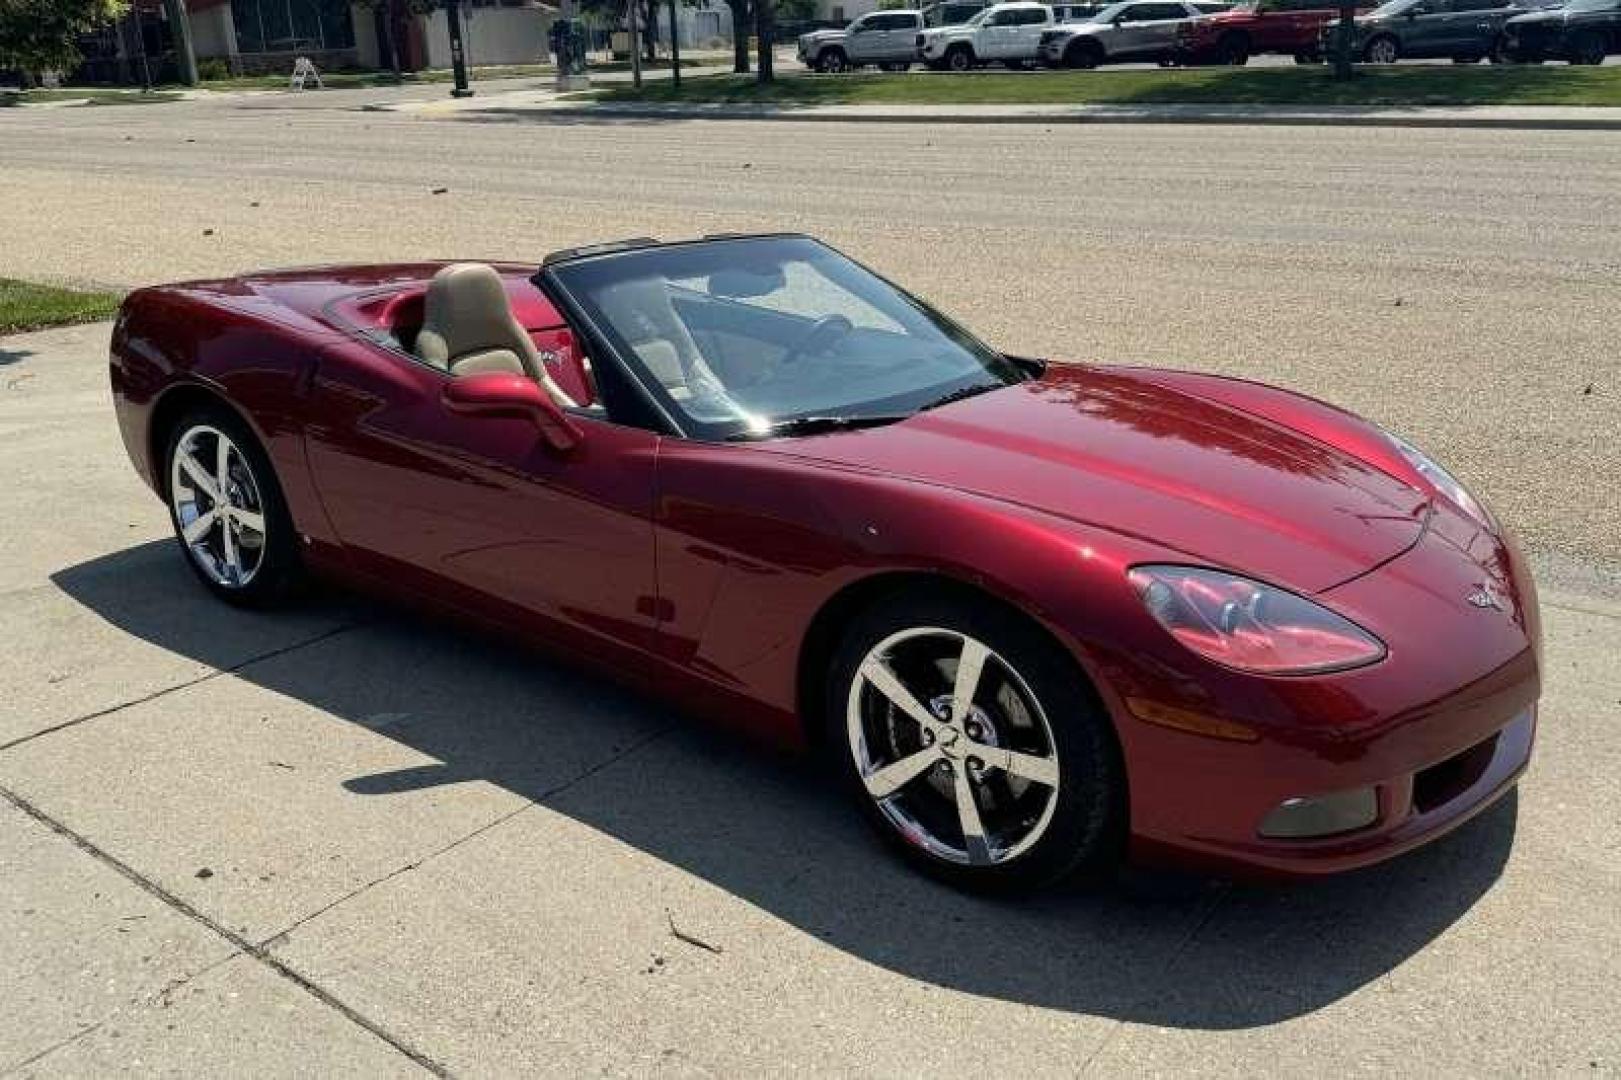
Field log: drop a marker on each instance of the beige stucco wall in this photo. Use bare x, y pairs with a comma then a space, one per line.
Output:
213, 32
490, 36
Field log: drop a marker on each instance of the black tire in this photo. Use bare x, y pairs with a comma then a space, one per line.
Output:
1233, 50
1304, 58
278, 569
1083, 54
1588, 48
1086, 826
832, 62
959, 58
1385, 47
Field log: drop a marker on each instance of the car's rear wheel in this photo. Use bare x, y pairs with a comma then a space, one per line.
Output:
227, 508
1588, 48
973, 744
1382, 50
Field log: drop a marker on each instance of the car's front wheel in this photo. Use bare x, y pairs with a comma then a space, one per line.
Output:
974, 744
227, 508
959, 58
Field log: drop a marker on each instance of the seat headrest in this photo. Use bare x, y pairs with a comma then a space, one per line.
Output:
466, 310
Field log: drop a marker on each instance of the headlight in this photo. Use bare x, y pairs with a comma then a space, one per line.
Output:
1246, 625
1442, 481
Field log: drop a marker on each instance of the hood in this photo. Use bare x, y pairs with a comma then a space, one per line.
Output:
1110, 449
821, 35
1554, 15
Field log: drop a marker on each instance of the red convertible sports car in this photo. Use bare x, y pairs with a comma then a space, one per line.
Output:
1042, 617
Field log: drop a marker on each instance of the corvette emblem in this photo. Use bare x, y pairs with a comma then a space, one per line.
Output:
1488, 595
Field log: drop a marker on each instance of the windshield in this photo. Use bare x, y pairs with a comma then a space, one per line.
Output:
978, 18
739, 337
1590, 5
1395, 7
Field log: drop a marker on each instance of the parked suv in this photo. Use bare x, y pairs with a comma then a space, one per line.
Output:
1122, 33
885, 38
1009, 33
1465, 30
1583, 32
1259, 26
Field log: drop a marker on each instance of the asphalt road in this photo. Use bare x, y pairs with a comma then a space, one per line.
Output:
339, 839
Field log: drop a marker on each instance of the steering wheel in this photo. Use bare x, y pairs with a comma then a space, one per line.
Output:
827, 330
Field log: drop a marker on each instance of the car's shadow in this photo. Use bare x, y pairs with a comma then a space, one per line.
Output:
769, 829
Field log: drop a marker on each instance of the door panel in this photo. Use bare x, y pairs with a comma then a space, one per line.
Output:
479, 513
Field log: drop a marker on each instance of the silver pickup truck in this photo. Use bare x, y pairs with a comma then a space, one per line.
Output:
885, 38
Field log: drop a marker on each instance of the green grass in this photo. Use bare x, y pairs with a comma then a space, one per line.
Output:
26, 306
1438, 85
94, 96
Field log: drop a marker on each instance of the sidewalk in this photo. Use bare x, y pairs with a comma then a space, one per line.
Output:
546, 105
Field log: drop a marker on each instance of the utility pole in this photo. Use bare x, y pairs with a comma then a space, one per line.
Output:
675, 49
180, 29
458, 54
635, 42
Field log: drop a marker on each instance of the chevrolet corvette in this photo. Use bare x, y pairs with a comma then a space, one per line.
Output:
1041, 618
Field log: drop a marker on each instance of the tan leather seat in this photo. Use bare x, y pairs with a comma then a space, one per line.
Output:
468, 328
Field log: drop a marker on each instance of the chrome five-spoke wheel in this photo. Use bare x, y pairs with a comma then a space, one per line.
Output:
953, 746
219, 510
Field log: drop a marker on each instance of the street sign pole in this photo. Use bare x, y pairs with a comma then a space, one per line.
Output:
458, 55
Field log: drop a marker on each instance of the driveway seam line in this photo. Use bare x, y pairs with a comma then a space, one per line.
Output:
245, 946
137, 1003
154, 695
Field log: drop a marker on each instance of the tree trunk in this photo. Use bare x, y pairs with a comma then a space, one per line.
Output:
741, 16
764, 23
1342, 42
650, 29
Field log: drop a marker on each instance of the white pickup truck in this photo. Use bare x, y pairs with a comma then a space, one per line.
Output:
1004, 33
885, 38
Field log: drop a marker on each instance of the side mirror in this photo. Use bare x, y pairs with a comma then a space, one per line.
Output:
500, 393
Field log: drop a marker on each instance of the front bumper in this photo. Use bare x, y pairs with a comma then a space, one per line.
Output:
1439, 730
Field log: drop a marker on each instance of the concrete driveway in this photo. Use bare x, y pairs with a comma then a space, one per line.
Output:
343, 839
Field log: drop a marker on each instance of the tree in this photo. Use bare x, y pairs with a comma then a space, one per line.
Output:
43, 35
742, 19
765, 24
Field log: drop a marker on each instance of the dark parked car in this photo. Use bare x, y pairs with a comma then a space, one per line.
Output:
1583, 32
1468, 31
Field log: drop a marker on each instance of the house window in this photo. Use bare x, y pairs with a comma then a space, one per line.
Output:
289, 25
838, 14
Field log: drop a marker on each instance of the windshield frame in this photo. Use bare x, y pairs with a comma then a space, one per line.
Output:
663, 412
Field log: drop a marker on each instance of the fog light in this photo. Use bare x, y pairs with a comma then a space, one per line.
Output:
1322, 815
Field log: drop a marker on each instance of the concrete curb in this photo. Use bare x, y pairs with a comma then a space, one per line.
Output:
1494, 117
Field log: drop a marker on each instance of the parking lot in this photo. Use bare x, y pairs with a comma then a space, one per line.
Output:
344, 838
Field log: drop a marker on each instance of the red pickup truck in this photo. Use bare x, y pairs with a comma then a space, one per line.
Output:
1260, 26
